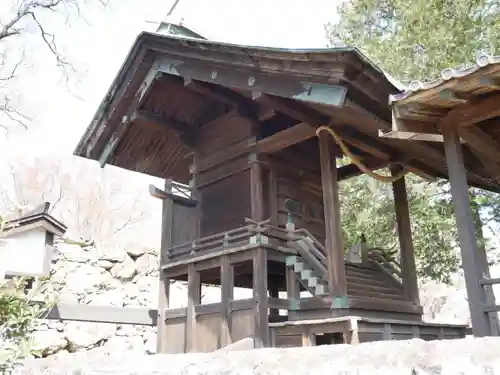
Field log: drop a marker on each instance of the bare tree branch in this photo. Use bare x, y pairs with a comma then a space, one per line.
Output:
30, 13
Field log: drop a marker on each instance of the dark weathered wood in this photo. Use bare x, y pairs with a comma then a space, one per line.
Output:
261, 336
472, 113
466, 232
256, 192
273, 196
333, 233
481, 142
489, 281
194, 298
292, 289
227, 288
103, 314
184, 130
407, 254
164, 282
286, 138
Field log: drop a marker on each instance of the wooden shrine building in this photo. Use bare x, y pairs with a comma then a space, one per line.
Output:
460, 114
251, 198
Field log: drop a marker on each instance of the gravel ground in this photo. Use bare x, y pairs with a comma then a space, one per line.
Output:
413, 357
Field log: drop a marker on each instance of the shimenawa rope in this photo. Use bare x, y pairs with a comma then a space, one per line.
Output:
356, 160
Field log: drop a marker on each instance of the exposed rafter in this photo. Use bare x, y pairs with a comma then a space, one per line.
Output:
184, 130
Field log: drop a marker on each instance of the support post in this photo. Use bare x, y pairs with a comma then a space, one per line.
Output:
257, 189
484, 267
194, 298
466, 232
164, 283
407, 254
227, 288
333, 233
292, 292
261, 304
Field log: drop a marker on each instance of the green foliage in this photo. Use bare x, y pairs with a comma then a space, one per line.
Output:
19, 312
368, 209
417, 39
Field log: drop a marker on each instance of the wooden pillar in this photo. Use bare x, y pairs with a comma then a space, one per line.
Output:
194, 298
408, 268
333, 233
227, 290
273, 196
466, 232
292, 292
261, 321
164, 283
256, 189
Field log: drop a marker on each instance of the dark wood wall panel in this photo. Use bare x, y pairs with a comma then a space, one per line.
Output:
226, 130
225, 204
184, 228
309, 213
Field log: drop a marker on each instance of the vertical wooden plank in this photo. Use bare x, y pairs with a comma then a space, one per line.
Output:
415, 332
164, 283
292, 291
227, 290
195, 194
308, 339
194, 298
333, 233
260, 298
352, 335
272, 333
387, 333
484, 267
466, 232
163, 303
408, 268
257, 191
273, 196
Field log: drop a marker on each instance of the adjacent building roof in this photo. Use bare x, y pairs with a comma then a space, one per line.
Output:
467, 98
38, 215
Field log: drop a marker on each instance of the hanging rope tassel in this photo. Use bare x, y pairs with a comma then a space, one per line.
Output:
356, 160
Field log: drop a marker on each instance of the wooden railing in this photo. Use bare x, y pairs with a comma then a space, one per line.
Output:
488, 283
222, 240
181, 190
390, 266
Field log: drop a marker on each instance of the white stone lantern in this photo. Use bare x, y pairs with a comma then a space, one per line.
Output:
26, 247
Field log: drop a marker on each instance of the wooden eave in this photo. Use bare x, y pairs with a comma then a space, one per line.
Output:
337, 87
468, 99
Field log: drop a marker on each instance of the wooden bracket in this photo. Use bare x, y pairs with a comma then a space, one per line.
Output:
160, 194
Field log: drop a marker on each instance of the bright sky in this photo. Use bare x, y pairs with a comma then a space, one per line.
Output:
98, 46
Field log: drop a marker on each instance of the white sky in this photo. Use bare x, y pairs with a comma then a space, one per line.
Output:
98, 46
